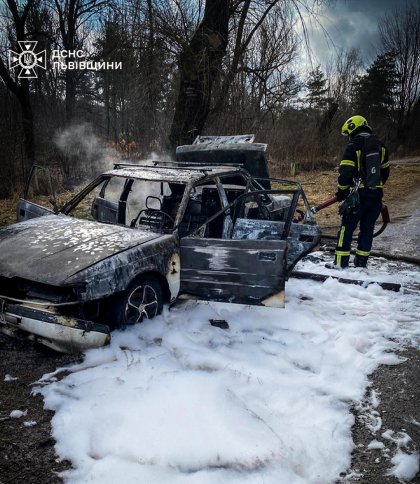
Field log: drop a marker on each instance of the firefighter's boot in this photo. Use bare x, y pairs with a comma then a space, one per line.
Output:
360, 261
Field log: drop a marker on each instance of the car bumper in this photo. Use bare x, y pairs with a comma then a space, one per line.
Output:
61, 333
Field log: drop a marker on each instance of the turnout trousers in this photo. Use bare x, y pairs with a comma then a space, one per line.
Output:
366, 214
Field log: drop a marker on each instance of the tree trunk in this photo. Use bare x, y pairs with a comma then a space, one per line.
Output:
21, 91
199, 65
70, 94
68, 15
22, 94
28, 126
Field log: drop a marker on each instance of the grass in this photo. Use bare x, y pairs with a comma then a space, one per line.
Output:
401, 193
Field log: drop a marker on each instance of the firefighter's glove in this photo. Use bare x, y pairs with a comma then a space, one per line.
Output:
350, 204
342, 194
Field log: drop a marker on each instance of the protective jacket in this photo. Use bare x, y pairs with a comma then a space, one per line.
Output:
367, 211
351, 167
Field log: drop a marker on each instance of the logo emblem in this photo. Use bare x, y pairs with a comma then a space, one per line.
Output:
27, 59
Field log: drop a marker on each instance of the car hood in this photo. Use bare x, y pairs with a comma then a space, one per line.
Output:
52, 248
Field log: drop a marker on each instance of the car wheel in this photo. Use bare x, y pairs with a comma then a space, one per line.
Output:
143, 299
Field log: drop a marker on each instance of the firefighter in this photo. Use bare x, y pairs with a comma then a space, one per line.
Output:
363, 171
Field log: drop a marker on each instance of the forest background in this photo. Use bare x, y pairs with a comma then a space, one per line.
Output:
189, 67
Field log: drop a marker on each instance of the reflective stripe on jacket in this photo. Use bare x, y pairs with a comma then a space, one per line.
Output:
350, 168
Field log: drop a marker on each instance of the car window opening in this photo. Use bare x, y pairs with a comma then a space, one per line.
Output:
141, 204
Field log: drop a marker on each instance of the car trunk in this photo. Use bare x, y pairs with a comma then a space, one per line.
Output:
228, 150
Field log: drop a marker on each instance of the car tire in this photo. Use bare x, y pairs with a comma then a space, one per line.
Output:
143, 299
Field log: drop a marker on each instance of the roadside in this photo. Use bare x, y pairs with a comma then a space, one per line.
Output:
388, 420
401, 192
391, 401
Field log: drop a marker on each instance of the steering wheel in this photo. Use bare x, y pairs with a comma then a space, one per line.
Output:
161, 218
154, 218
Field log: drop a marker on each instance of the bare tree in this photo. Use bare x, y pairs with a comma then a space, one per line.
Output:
247, 18
72, 15
176, 21
342, 72
400, 34
267, 61
264, 80
199, 65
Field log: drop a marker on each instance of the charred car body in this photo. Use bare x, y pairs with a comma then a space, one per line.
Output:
140, 236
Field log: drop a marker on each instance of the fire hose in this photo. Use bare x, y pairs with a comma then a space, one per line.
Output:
330, 201
385, 221
323, 277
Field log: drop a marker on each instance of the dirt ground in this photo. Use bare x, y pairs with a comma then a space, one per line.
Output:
404, 181
27, 450
398, 390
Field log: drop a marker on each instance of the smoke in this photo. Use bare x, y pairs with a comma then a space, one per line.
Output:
85, 155
83, 151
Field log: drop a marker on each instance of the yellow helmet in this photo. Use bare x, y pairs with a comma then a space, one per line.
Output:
352, 124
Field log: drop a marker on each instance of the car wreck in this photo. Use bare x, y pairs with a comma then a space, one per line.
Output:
143, 235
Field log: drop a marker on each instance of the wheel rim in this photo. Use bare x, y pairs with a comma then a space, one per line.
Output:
142, 302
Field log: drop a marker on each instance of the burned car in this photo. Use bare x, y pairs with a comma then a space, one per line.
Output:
142, 235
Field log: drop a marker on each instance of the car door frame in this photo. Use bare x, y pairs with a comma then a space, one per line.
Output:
304, 234
234, 270
25, 209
